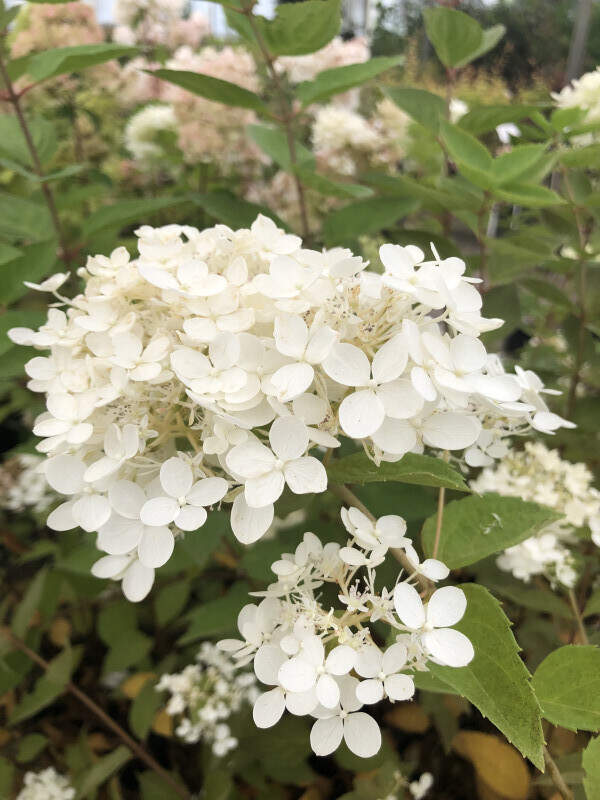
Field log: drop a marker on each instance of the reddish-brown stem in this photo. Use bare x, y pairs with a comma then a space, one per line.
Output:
14, 98
106, 720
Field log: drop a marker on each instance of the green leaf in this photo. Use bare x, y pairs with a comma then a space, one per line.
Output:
455, 36
217, 617
62, 60
366, 216
475, 527
14, 146
541, 600
300, 28
115, 618
548, 291
526, 194
31, 746
170, 601
422, 470
591, 764
233, 211
218, 785
467, 151
567, 684
230, 94
154, 787
22, 219
101, 771
485, 118
582, 157
126, 212
274, 143
424, 107
7, 772
340, 79
35, 262
126, 649
496, 681
517, 163
593, 605
332, 188
145, 705
489, 40
49, 686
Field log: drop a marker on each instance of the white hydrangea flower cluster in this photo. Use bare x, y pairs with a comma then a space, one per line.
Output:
208, 368
23, 484
583, 92
46, 785
206, 694
338, 131
323, 661
143, 130
540, 475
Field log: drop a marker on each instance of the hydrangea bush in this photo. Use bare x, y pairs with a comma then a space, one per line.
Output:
309, 357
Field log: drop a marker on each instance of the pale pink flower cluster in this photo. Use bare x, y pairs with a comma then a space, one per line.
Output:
172, 33
210, 131
338, 53
42, 27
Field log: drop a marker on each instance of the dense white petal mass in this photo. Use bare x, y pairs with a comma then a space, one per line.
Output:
214, 367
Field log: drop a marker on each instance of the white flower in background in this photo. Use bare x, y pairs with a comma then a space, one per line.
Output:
46, 785
321, 660
23, 484
458, 108
541, 476
227, 356
583, 92
206, 694
142, 132
421, 786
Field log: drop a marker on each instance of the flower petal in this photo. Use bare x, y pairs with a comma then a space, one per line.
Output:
305, 475
176, 477
449, 647
399, 687
267, 661
155, 547
249, 524
327, 691
326, 735
370, 691
265, 489
446, 606
362, 734
347, 365
361, 414
137, 582
159, 511
409, 606
268, 708
297, 675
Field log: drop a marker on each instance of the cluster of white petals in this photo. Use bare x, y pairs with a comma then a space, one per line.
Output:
204, 695
583, 92
23, 484
144, 129
212, 366
540, 475
46, 785
324, 661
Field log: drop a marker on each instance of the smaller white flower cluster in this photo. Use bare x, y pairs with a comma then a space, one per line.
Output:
23, 484
583, 93
206, 694
46, 785
540, 475
324, 661
142, 134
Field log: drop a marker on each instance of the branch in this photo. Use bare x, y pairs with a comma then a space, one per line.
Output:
348, 497
287, 114
577, 614
106, 720
14, 99
557, 778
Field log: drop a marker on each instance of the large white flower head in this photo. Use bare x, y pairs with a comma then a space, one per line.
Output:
327, 662
540, 475
583, 92
210, 368
46, 785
